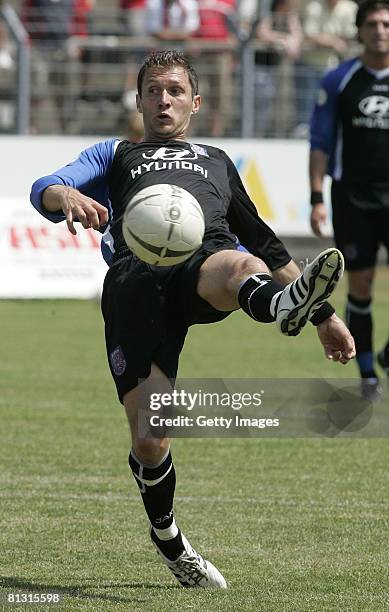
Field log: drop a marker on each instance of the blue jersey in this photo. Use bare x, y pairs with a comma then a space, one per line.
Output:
350, 123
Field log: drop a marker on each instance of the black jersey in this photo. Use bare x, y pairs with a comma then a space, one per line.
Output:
112, 172
207, 173
351, 124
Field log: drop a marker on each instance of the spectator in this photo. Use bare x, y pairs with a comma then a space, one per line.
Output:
218, 23
134, 130
329, 26
281, 30
82, 9
172, 19
133, 14
49, 24
6, 60
7, 66
249, 14
81, 25
217, 19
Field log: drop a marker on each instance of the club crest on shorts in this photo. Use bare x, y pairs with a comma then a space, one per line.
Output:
118, 361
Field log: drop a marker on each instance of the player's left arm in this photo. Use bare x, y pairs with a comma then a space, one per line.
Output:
261, 241
336, 339
333, 334
252, 232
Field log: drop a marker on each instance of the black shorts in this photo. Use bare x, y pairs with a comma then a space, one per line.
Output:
147, 311
358, 232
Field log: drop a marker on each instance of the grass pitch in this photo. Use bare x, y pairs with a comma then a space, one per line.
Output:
293, 524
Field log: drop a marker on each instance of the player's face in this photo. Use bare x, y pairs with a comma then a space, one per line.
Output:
374, 32
167, 103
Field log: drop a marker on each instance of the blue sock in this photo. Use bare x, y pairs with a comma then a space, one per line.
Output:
360, 324
366, 364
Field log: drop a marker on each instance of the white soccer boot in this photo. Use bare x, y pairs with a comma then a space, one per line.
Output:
300, 299
191, 570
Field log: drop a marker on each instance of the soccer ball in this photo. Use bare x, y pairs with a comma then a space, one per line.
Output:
163, 225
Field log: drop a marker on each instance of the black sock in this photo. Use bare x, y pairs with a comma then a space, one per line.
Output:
172, 549
157, 485
360, 324
255, 297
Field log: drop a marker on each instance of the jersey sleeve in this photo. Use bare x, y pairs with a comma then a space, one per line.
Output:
324, 117
88, 173
252, 232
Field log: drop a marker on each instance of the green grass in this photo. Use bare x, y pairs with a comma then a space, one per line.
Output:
293, 524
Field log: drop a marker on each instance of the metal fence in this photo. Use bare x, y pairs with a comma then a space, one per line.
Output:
86, 84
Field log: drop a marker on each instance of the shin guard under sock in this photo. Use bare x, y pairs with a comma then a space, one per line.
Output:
256, 297
157, 485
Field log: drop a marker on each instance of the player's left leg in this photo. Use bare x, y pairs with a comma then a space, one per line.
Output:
229, 279
153, 469
141, 332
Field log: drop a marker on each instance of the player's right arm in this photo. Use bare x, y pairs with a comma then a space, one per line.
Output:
79, 190
75, 206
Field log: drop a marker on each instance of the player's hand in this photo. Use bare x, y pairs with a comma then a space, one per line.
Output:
318, 219
336, 339
87, 211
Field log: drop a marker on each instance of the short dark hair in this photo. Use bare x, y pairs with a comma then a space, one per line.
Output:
369, 6
168, 58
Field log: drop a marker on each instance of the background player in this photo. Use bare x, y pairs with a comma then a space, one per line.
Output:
350, 141
147, 310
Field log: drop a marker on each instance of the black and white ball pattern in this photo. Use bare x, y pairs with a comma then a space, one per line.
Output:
163, 225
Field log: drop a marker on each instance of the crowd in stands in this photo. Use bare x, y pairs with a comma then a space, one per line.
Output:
295, 41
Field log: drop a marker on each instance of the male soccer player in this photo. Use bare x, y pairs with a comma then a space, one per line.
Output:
147, 310
350, 142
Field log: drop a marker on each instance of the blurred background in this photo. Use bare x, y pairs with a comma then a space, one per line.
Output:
69, 66
68, 73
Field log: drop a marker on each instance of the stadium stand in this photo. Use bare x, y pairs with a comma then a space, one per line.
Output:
83, 55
